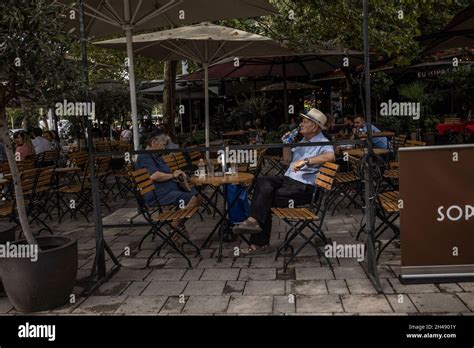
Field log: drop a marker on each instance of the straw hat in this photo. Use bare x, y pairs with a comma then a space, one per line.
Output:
317, 117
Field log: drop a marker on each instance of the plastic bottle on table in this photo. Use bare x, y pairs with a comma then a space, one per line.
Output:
290, 137
201, 168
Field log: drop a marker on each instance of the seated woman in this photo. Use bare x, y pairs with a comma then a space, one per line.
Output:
24, 146
167, 191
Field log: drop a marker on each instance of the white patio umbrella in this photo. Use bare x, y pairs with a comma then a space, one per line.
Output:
205, 43
107, 17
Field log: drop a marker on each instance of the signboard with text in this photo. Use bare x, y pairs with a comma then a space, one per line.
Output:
437, 218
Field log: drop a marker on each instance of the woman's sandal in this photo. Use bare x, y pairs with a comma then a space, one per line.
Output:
260, 250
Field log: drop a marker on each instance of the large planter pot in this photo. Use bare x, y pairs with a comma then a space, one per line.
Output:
46, 283
7, 234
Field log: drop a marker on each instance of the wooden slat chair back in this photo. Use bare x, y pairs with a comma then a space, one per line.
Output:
346, 187
29, 163
325, 178
45, 179
413, 143
388, 211
28, 181
399, 141
104, 146
124, 146
79, 159
181, 162
103, 166
194, 156
170, 161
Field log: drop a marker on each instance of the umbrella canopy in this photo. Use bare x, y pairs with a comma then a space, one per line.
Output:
309, 64
458, 33
107, 17
205, 43
290, 85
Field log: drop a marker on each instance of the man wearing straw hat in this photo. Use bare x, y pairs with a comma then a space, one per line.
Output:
297, 184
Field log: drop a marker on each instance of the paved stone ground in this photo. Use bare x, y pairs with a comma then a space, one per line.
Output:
242, 285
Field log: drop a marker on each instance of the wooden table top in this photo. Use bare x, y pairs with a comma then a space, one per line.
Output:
240, 178
363, 151
234, 133
378, 135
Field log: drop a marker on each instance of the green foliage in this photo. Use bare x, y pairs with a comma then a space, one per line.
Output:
430, 123
273, 137
33, 49
110, 64
462, 80
380, 84
197, 138
113, 105
304, 24
414, 91
258, 106
391, 123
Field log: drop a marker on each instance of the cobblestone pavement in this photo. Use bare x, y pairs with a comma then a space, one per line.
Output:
247, 285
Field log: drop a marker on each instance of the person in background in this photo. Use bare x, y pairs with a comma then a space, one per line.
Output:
126, 134
51, 137
348, 127
361, 127
3, 154
40, 144
24, 146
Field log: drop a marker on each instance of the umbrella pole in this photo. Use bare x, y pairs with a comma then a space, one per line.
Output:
371, 261
131, 74
133, 95
206, 105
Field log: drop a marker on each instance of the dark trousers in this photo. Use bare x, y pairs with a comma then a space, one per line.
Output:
275, 191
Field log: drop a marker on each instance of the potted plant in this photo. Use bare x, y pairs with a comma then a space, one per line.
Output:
33, 66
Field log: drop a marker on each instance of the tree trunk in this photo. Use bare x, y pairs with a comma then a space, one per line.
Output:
20, 202
169, 92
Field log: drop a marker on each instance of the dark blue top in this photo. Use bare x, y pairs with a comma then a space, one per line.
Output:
380, 143
168, 192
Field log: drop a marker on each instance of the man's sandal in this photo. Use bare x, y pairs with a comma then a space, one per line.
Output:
247, 227
261, 250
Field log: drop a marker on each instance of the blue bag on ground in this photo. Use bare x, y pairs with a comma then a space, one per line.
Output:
241, 209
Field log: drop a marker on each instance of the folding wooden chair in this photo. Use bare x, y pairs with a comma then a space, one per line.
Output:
347, 186
40, 198
81, 191
160, 221
387, 211
298, 219
413, 143
48, 158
